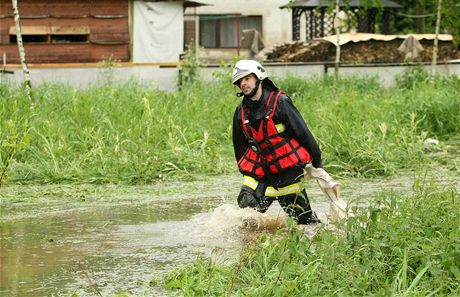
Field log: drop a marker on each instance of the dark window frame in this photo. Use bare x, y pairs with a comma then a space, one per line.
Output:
218, 19
52, 35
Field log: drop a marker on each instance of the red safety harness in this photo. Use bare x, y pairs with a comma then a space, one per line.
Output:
269, 151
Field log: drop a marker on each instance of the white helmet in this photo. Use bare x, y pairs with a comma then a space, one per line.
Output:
246, 67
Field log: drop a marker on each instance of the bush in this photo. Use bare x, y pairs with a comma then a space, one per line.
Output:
412, 77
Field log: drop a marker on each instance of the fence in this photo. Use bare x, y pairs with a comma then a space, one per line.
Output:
164, 75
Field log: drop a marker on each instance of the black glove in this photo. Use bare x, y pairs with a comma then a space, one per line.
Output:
246, 198
254, 198
264, 204
263, 201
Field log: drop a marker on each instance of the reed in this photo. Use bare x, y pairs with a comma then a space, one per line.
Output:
131, 133
399, 245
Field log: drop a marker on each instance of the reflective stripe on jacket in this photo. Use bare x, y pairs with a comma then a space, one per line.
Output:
271, 191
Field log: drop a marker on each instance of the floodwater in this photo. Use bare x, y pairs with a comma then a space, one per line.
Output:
106, 240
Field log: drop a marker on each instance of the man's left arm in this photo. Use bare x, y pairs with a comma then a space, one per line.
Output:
298, 129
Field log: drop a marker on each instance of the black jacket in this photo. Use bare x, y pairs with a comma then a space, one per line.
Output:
285, 113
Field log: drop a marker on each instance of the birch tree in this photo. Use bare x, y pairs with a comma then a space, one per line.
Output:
17, 127
337, 48
435, 46
22, 53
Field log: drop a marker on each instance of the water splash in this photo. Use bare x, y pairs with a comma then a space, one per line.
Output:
230, 219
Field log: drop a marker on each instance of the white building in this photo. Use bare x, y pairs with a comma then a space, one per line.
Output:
218, 26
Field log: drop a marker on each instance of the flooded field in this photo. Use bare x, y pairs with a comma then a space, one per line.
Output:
106, 240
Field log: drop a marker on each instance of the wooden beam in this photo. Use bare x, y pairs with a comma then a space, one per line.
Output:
31, 30
70, 30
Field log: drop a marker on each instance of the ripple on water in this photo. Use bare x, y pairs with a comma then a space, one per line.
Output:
120, 245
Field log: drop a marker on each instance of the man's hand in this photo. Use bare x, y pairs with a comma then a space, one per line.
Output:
254, 198
247, 199
264, 204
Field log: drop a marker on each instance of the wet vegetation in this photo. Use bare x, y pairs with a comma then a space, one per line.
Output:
399, 245
132, 134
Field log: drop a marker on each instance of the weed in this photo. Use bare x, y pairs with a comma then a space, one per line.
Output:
134, 134
412, 76
108, 70
398, 245
189, 66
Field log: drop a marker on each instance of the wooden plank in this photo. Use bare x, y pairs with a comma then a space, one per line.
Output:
109, 25
68, 9
31, 30
101, 8
70, 30
120, 38
6, 8
91, 65
30, 8
67, 52
58, 22
4, 30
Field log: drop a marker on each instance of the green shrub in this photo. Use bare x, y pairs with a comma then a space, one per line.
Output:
412, 77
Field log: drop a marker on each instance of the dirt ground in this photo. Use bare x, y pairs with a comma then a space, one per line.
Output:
372, 51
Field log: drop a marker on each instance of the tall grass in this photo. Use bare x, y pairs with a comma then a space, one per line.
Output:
136, 134
126, 133
376, 131
397, 246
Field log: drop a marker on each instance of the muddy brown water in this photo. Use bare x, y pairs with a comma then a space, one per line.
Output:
106, 240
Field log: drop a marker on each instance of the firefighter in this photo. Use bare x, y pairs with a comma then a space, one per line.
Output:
272, 145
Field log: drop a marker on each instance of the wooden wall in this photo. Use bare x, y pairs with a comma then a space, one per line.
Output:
102, 27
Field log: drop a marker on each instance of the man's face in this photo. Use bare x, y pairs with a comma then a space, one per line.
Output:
248, 83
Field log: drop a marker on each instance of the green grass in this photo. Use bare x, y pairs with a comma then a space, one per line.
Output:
134, 134
399, 245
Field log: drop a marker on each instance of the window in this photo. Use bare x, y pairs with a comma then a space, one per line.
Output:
54, 34
66, 34
35, 34
222, 30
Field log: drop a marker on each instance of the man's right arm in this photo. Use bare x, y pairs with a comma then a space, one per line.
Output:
240, 143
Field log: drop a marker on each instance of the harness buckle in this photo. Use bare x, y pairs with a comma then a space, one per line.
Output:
253, 145
268, 113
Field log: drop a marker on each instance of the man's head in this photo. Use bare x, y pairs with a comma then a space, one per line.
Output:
245, 67
248, 74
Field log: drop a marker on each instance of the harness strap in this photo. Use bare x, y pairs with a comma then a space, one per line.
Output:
269, 112
266, 151
275, 160
248, 131
246, 124
293, 149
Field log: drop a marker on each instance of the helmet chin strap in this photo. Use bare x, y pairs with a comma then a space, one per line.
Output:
253, 92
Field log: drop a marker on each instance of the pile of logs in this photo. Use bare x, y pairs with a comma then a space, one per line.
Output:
363, 52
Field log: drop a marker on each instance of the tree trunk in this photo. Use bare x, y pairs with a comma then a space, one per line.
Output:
337, 49
435, 46
22, 53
